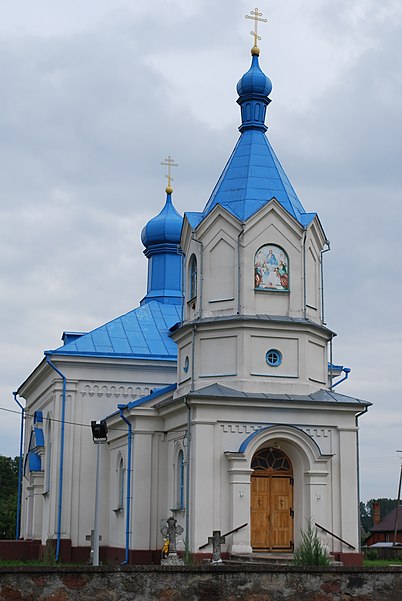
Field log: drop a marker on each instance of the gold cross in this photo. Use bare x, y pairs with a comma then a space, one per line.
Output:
256, 16
170, 163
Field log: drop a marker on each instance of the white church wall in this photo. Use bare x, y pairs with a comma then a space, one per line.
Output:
272, 226
321, 485
90, 396
117, 491
234, 353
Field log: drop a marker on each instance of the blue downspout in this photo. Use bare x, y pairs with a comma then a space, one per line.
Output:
347, 371
18, 518
128, 520
63, 415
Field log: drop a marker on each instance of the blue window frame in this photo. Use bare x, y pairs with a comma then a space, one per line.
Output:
180, 481
192, 272
273, 357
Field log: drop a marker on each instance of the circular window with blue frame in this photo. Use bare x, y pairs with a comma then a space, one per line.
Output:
273, 357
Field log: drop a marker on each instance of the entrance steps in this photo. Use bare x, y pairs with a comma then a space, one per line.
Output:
269, 559
261, 558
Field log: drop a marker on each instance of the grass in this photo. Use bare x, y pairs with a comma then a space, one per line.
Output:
6, 563
381, 563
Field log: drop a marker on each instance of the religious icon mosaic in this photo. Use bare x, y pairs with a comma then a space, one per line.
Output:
271, 268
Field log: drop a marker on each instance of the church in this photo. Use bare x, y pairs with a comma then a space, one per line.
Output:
218, 391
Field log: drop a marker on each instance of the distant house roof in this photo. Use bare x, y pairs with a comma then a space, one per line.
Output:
142, 333
387, 524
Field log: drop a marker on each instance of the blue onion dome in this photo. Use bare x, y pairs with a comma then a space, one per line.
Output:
165, 228
254, 81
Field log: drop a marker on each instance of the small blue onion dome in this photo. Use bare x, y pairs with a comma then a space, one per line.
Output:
254, 81
165, 227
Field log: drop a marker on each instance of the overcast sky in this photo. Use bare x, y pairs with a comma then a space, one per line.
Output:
95, 93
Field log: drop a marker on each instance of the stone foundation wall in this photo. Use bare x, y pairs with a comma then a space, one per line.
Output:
206, 583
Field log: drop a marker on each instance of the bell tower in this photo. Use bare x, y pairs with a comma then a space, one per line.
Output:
252, 271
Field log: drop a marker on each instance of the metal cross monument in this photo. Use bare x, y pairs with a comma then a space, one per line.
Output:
256, 16
170, 163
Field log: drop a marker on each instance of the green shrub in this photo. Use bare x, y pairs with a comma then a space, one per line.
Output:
310, 551
371, 554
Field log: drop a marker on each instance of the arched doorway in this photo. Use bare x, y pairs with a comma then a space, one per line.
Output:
271, 501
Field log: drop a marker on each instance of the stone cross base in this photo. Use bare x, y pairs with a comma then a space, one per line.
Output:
172, 560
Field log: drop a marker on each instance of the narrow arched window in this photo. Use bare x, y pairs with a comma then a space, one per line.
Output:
120, 483
192, 276
180, 479
48, 452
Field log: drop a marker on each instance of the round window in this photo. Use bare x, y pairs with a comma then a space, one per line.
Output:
186, 364
273, 357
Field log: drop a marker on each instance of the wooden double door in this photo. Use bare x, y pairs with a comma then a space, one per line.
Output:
271, 510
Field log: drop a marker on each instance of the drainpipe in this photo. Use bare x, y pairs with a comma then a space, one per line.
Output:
347, 371
326, 243
128, 509
187, 544
358, 469
304, 274
63, 416
18, 518
239, 270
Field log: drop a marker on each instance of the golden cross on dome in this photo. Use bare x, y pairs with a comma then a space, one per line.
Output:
170, 163
256, 16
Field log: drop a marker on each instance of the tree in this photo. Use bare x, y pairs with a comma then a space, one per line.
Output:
8, 496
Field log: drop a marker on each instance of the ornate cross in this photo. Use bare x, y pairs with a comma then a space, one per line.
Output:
216, 540
170, 531
256, 16
170, 163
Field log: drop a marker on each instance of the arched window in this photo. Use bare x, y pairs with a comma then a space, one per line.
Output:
48, 452
180, 480
271, 269
192, 277
120, 483
271, 460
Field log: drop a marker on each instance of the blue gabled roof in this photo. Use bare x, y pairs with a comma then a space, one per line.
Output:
253, 176
153, 395
142, 333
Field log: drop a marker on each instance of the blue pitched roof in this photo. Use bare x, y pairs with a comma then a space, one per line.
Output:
194, 218
142, 333
253, 176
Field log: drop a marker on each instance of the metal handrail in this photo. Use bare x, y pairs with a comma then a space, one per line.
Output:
226, 534
337, 537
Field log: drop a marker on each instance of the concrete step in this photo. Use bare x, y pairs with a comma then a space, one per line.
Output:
262, 558
267, 559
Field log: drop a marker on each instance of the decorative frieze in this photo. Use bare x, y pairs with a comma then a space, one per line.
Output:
126, 392
240, 428
322, 436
